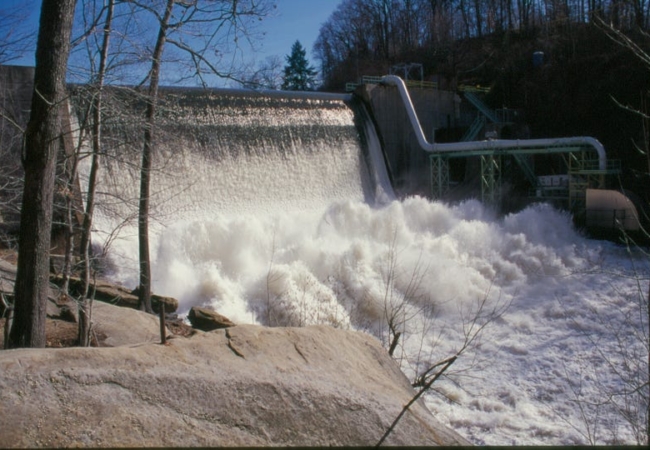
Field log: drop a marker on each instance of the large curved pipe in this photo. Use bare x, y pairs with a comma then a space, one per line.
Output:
433, 147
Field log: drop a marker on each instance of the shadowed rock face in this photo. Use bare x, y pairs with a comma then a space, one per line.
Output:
105, 291
246, 385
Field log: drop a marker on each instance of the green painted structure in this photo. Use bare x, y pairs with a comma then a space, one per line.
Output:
405, 113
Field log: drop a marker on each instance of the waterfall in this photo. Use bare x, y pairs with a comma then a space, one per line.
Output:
276, 209
234, 153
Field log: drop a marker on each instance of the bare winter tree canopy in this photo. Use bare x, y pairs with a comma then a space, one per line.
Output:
211, 24
385, 29
152, 42
206, 40
15, 39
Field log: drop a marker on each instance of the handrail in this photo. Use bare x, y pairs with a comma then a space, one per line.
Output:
482, 107
474, 129
370, 79
394, 80
468, 88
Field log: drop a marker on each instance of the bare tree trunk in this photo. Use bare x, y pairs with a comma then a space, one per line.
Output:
42, 141
71, 194
425, 387
144, 290
84, 305
9, 317
479, 18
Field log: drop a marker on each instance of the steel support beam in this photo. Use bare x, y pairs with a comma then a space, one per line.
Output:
490, 178
439, 176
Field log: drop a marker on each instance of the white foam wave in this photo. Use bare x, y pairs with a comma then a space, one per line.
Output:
350, 248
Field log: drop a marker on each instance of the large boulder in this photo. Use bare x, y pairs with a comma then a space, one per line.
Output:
61, 307
205, 319
114, 326
58, 306
242, 386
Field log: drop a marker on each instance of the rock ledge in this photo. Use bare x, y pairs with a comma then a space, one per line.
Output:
242, 386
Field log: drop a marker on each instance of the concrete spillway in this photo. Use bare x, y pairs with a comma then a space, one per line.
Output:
243, 151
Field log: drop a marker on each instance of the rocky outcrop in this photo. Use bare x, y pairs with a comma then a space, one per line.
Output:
114, 326
118, 295
104, 291
242, 386
205, 319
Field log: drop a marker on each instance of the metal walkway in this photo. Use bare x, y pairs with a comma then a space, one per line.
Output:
485, 114
583, 167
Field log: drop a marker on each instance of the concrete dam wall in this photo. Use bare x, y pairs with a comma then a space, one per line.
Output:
407, 162
240, 151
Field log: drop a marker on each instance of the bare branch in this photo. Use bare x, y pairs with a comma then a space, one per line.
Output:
445, 365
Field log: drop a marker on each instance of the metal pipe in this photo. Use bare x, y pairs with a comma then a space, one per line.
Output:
433, 147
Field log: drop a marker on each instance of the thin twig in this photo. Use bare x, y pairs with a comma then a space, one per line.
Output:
446, 363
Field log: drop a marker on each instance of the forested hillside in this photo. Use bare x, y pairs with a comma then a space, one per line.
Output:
575, 86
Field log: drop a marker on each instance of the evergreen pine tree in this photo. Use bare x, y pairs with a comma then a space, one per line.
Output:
298, 74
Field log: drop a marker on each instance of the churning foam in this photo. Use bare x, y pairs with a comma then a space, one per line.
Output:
317, 266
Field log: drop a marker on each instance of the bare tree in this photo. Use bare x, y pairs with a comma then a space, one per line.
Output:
144, 289
473, 319
84, 308
643, 329
619, 365
267, 75
213, 18
42, 142
15, 39
401, 306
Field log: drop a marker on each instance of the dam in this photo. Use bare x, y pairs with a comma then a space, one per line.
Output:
403, 133
232, 166
273, 210
279, 209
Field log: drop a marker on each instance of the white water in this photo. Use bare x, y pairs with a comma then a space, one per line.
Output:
291, 238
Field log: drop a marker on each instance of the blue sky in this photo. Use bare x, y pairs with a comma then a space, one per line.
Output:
297, 19
293, 20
